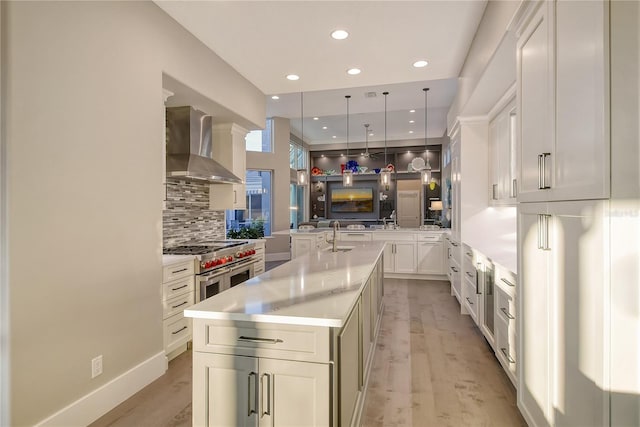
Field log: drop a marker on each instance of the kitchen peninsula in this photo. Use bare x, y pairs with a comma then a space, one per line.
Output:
292, 346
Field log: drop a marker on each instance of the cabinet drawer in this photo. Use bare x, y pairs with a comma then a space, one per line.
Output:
505, 307
178, 270
470, 271
391, 236
505, 280
471, 298
355, 236
177, 305
177, 331
280, 341
177, 287
505, 349
429, 237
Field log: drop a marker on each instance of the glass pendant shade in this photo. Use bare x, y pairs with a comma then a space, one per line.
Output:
385, 177
425, 176
303, 178
347, 178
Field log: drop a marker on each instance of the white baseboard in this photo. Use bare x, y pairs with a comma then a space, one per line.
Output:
278, 256
92, 406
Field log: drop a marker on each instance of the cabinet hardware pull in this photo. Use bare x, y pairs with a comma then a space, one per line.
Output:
354, 234
506, 313
179, 287
251, 410
504, 351
260, 340
469, 274
179, 330
540, 185
514, 188
181, 304
268, 411
493, 191
469, 254
179, 271
454, 244
235, 196
543, 232
469, 301
508, 283
542, 171
478, 268
448, 252
454, 269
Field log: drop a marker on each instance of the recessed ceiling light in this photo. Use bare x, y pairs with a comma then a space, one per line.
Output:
324, 127
322, 155
276, 97
341, 154
293, 77
334, 137
408, 152
420, 64
354, 71
412, 111
410, 131
412, 121
316, 118
371, 134
339, 34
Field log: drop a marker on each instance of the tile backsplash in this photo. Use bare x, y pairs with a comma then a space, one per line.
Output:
187, 218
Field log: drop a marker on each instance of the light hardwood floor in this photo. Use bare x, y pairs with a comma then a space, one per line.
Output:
432, 367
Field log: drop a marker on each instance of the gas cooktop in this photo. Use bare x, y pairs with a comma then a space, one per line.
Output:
203, 249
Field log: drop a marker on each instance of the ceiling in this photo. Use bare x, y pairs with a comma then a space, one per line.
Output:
266, 40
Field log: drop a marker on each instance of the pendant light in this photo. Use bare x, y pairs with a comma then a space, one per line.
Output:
302, 174
366, 141
425, 174
347, 174
385, 174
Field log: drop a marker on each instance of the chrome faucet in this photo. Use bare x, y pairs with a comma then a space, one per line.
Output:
336, 228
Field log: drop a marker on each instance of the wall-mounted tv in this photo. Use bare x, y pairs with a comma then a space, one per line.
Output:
351, 200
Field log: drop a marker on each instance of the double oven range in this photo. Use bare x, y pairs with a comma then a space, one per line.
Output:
219, 265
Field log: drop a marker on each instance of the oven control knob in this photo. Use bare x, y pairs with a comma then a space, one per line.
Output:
253, 251
210, 264
229, 258
248, 253
239, 255
204, 264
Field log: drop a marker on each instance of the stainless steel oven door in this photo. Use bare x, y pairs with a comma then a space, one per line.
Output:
210, 284
241, 272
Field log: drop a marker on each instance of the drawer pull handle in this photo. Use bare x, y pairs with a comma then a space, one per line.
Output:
506, 313
260, 340
180, 305
469, 254
504, 351
469, 274
179, 330
179, 287
268, 405
179, 271
251, 410
469, 301
455, 270
508, 283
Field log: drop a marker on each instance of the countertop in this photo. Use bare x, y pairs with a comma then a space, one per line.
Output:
503, 252
174, 259
317, 289
366, 230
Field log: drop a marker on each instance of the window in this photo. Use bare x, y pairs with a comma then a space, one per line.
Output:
259, 140
298, 156
258, 193
296, 205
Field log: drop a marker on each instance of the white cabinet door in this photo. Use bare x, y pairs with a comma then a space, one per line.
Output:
535, 104
430, 257
581, 164
226, 390
563, 95
349, 365
366, 320
535, 311
389, 258
293, 393
301, 246
405, 257
579, 293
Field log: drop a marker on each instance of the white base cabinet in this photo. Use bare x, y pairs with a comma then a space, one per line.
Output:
562, 307
177, 294
304, 243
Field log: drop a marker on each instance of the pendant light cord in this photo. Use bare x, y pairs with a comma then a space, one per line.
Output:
385, 127
347, 96
426, 91
302, 117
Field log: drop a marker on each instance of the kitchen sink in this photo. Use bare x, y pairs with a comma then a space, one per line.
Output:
340, 248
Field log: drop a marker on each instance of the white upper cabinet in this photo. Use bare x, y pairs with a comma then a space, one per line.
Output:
502, 148
229, 149
562, 92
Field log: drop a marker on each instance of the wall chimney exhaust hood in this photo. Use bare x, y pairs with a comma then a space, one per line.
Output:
189, 146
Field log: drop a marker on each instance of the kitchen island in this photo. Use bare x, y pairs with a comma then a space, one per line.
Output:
292, 346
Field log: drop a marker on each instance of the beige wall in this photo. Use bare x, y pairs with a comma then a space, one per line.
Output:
277, 161
84, 132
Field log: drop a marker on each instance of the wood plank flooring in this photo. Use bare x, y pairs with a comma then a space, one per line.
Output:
432, 367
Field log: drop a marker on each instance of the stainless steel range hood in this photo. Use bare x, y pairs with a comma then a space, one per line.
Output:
189, 145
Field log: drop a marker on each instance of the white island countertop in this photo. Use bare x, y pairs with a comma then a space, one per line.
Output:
318, 289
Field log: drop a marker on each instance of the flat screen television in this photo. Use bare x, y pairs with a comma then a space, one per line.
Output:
352, 200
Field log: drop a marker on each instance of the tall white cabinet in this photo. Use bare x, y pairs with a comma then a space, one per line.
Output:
563, 229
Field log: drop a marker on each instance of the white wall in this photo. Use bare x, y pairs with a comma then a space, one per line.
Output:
278, 162
84, 133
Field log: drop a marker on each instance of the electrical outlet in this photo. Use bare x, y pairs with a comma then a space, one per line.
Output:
96, 366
